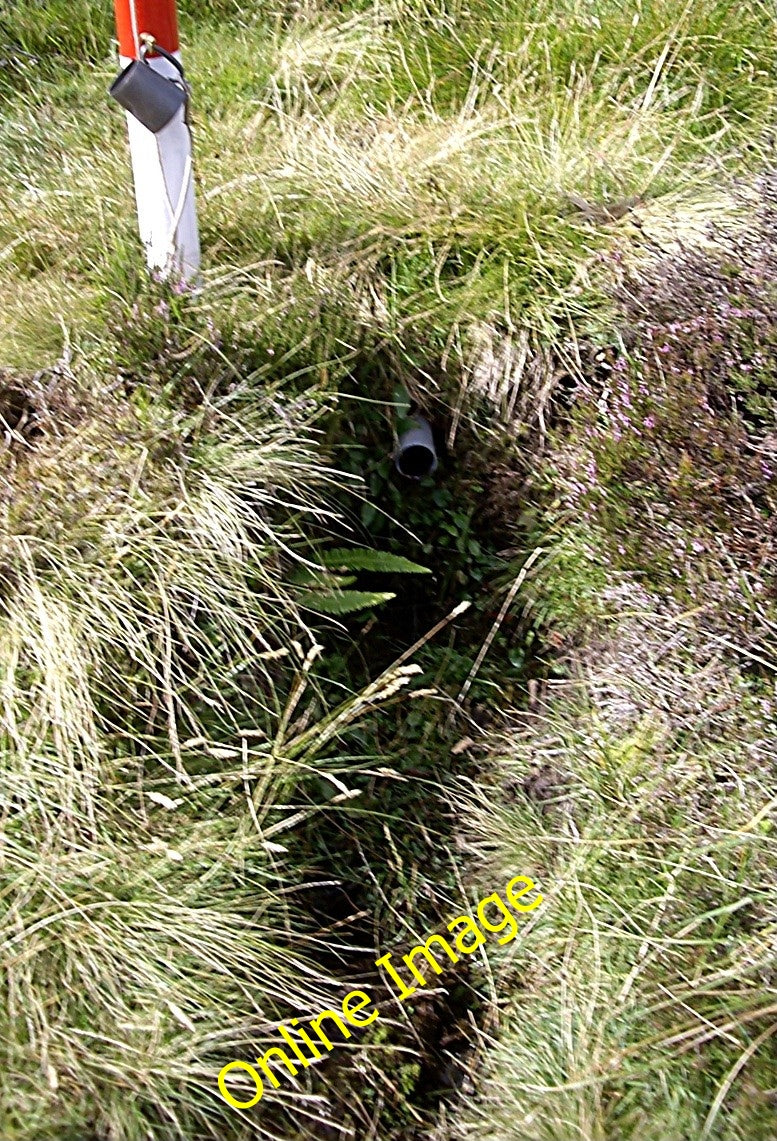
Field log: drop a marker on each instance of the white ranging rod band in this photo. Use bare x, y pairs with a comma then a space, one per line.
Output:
164, 190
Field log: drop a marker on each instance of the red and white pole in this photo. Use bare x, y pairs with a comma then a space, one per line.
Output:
161, 162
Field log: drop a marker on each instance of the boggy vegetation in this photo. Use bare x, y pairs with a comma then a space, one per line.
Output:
641, 780
267, 710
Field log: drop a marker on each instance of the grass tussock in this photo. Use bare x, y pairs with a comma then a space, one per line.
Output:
158, 717
143, 572
640, 795
120, 959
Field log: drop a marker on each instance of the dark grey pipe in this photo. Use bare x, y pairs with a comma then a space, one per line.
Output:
416, 455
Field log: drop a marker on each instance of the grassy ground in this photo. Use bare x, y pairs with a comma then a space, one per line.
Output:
641, 1002
549, 225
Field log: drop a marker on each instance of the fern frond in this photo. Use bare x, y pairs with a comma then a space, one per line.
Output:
363, 558
343, 601
320, 580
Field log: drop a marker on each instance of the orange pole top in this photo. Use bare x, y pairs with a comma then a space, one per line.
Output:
155, 17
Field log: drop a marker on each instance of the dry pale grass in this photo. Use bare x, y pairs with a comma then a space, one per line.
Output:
640, 1000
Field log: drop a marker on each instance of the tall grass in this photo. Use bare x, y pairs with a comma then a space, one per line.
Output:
639, 795
414, 163
159, 720
144, 571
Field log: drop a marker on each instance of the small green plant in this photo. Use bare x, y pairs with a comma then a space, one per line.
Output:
327, 588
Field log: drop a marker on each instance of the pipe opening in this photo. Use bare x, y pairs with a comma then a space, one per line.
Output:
416, 461
416, 455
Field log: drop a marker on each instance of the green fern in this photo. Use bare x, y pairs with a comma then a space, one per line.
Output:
320, 580
327, 593
343, 601
363, 558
